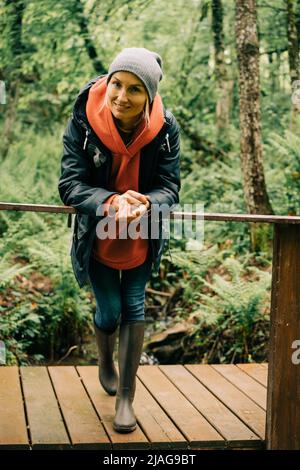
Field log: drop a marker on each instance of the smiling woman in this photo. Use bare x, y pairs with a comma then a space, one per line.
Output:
128, 100
119, 117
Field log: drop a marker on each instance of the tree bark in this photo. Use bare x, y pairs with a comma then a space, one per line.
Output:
297, 21
12, 75
255, 191
224, 86
293, 54
273, 73
84, 33
293, 47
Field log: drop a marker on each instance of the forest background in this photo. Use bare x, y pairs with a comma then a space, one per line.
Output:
231, 72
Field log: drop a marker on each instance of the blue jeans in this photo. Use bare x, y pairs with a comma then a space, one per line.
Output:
119, 294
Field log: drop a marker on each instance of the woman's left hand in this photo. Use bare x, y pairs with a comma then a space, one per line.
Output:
128, 211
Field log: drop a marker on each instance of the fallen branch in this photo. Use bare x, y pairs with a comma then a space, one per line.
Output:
156, 292
67, 353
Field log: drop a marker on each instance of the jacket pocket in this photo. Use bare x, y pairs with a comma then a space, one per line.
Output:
158, 246
80, 237
82, 225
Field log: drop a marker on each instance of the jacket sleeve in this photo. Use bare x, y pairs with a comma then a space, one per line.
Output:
76, 170
166, 185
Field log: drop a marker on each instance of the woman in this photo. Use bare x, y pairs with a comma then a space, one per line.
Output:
121, 155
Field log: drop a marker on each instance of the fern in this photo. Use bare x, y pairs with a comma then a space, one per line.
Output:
282, 155
9, 272
233, 307
40, 321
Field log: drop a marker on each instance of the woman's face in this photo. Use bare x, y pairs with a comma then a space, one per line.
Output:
126, 96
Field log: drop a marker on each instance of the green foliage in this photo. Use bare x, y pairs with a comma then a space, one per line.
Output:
220, 190
43, 312
232, 321
282, 154
8, 271
214, 285
190, 268
49, 313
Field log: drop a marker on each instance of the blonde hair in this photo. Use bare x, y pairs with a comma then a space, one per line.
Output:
147, 112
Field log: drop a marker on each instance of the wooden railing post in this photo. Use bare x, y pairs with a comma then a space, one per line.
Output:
283, 401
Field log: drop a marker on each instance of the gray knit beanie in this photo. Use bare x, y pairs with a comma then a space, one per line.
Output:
145, 64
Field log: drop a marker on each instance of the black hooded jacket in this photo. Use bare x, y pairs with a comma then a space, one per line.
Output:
85, 172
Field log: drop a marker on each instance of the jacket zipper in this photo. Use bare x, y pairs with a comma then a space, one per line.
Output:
87, 136
168, 143
169, 249
85, 140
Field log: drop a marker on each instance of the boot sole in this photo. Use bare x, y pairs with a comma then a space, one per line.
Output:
123, 429
110, 392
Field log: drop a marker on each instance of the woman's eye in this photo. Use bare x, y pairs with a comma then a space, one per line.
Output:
131, 89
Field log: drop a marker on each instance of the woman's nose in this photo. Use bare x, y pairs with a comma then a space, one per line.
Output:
122, 95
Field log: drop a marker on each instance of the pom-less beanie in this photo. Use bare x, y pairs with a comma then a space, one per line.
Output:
145, 64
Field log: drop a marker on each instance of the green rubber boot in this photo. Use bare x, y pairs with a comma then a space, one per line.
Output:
130, 349
108, 375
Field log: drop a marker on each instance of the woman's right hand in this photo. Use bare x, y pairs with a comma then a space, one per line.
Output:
129, 197
130, 205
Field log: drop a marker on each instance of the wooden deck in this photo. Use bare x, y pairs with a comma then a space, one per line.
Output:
177, 407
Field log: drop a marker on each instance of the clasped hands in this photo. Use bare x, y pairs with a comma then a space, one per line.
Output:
129, 206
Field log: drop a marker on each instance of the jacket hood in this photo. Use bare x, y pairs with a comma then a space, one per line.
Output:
79, 112
102, 121
80, 102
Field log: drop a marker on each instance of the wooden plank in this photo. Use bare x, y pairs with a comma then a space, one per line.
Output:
195, 428
83, 424
15, 206
105, 406
257, 371
154, 426
159, 428
220, 417
244, 382
270, 219
47, 429
250, 413
13, 430
283, 404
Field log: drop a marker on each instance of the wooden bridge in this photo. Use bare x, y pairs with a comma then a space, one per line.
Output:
192, 406
177, 407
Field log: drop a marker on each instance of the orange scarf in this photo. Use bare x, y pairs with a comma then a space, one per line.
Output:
121, 253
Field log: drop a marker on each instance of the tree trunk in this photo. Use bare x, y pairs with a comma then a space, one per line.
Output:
293, 48
297, 21
255, 191
274, 66
12, 77
10, 117
224, 86
84, 33
293, 53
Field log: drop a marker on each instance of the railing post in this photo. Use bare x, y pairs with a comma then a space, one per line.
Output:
283, 401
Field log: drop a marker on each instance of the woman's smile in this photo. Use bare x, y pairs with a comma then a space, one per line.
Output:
121, 107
